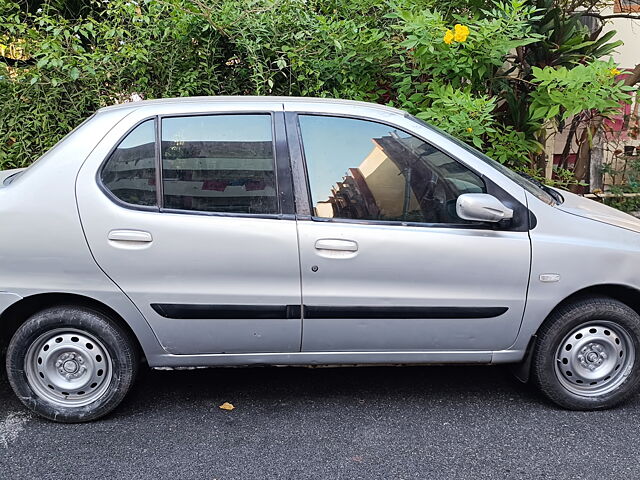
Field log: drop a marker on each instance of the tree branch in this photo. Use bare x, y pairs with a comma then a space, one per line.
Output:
633, 77
629, 16
12, 62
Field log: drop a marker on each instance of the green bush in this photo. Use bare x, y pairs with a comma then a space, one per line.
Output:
450, 65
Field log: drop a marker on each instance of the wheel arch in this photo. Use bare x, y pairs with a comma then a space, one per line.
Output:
19, 312
626, 294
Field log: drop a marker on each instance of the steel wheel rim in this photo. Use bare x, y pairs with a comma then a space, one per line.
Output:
595, 358
68, 367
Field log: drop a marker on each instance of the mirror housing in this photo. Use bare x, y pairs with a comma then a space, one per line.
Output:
482, 207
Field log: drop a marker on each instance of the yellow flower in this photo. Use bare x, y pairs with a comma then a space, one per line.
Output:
448, 37
614, 72
469, 129
461, 32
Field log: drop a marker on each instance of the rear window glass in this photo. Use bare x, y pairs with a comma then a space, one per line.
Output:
219, 163
130, 171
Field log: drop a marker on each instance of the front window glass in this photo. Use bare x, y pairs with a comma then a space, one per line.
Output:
365, 170
219, 163
536, 190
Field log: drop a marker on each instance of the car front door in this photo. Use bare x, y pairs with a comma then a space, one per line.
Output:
192, 218
387, 265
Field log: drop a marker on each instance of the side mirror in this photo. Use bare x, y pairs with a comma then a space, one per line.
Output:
482, 207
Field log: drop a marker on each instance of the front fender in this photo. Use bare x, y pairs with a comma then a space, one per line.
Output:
7, 299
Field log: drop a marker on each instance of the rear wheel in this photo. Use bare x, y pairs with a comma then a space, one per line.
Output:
586, 357
71, 364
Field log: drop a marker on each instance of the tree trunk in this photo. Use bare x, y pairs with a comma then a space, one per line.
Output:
549, 134
581, 168
596, 181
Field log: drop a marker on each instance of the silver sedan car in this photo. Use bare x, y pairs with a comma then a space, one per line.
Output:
235, 231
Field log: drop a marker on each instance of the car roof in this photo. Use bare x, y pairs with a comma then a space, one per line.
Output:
249, 99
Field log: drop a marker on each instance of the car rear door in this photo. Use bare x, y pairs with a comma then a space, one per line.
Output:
189, 210
386, 263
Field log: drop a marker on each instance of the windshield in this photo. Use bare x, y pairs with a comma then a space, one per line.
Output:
535, 188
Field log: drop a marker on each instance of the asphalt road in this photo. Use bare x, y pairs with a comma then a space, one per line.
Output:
351, 423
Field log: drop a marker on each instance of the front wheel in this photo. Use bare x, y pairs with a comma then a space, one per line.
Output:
71, 364
586, 357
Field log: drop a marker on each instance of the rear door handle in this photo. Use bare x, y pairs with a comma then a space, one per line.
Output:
138, 236
336, 245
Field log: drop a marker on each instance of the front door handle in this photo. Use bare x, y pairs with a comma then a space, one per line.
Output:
336, 245
138, 236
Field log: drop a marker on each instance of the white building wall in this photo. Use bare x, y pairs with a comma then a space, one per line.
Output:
627, 55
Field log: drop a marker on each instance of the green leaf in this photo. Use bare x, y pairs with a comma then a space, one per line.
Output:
553, 111
538, 113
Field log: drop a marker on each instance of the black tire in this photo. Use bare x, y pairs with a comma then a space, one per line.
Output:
116, 346
557, 335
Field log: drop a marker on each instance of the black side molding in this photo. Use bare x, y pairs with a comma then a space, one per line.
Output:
403, 312
199, 311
